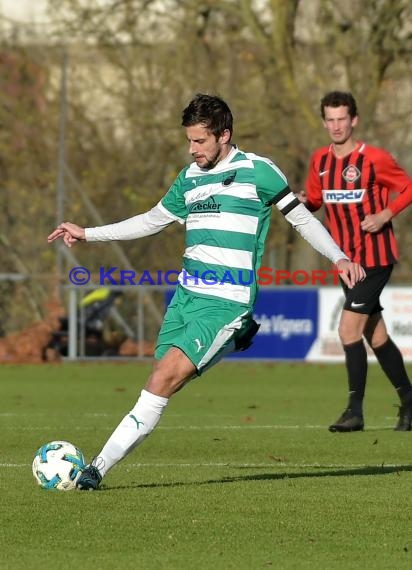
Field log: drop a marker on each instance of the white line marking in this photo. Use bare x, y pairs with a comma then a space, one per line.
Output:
14, 465
194, 428
274, 464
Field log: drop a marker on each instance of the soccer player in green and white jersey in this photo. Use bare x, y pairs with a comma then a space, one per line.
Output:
225, 199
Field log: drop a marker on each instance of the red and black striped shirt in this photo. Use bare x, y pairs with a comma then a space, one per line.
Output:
352, 187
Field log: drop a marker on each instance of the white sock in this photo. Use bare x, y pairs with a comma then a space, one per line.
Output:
131, 431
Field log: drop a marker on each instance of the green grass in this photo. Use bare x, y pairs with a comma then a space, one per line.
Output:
241, 473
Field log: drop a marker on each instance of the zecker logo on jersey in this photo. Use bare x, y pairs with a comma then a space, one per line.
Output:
205, 206
342, 196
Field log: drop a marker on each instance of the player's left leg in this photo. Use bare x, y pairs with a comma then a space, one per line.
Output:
391, 361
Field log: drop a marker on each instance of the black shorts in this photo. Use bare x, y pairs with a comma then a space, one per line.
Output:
364, 297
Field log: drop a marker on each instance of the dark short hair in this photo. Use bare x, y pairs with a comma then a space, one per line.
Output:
210, 111
339, 99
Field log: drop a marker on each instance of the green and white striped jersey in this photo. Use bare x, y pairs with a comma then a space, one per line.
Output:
227, 213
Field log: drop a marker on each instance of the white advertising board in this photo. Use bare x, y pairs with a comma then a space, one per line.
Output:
397, 305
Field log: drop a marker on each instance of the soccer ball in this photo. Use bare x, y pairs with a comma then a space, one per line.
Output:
58, 465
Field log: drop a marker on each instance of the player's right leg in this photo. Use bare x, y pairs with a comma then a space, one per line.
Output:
196, 334
168, 376
350, 331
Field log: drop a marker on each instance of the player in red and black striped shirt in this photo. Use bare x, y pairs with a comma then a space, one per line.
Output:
356, 183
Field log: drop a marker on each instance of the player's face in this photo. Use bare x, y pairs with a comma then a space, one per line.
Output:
339, 124
206, 149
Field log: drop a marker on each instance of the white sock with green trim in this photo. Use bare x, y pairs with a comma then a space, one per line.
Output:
131, 431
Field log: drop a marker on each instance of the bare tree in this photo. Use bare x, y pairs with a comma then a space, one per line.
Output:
134, 64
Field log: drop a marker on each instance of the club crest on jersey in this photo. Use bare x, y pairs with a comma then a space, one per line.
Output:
351, 173
342, 196
228, 181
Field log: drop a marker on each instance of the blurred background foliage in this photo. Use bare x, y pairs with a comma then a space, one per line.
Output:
91, 101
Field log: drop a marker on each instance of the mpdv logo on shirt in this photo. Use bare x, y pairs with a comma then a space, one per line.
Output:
207, 206
343, 196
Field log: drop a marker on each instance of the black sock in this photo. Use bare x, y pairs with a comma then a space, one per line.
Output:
390, 358
357, 368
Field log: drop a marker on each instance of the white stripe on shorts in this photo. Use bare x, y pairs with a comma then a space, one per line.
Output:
222, 337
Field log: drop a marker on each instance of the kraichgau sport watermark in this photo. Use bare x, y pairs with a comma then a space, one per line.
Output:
264, 277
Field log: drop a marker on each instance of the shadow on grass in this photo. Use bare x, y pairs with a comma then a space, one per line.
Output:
318, 472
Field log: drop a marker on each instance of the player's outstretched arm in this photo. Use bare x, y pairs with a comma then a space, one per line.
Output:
142, 225
71, 233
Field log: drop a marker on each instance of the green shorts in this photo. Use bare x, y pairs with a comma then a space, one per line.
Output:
204, 328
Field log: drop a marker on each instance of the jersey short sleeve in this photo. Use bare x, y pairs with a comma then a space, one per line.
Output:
270, 180
174, 200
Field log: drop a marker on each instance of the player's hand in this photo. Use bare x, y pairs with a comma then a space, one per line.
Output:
301, 196
372, 223
71, 234
350, 273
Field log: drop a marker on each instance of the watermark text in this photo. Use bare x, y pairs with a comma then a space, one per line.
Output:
264, 277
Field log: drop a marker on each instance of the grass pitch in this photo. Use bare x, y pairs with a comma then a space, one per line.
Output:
241, 473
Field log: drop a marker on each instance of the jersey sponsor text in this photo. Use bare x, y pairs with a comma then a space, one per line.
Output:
343, 196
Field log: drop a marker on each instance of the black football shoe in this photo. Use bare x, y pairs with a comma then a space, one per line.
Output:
348, 421
89, 480
404, 418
